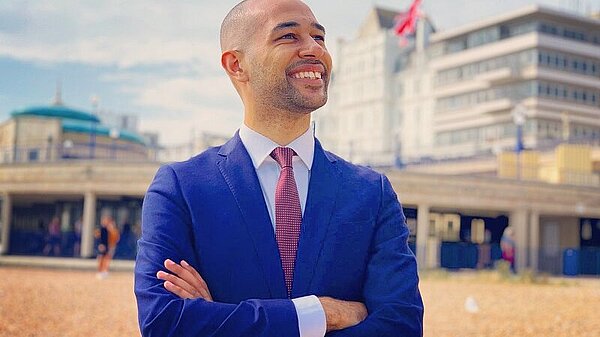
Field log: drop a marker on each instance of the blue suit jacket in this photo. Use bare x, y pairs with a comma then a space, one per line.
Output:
210, 211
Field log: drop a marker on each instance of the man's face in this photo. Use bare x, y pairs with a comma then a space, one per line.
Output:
289, 65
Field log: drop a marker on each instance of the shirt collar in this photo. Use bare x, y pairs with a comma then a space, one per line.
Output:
260, 147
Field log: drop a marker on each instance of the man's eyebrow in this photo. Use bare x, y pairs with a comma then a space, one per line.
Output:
285, 25
290, 24
319, 27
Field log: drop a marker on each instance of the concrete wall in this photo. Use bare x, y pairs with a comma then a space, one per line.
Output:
7, 140
37, 137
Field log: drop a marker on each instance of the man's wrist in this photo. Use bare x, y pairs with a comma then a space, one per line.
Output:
331, 316
311, 316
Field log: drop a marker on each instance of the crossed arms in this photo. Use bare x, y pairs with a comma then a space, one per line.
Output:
174, 300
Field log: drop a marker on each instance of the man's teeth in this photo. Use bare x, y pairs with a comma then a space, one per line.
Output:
308, 74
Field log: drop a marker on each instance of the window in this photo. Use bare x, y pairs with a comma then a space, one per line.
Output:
504, 32
33, 155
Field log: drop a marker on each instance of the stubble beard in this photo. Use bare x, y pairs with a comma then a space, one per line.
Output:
283, 95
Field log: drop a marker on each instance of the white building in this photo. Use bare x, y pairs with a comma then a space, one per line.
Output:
451, 93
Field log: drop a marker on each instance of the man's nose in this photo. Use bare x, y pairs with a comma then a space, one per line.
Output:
312, 49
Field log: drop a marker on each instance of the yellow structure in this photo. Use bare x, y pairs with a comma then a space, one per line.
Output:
569, 164
527, 163
572, 164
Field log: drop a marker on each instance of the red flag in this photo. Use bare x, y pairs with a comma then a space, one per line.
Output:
406, 22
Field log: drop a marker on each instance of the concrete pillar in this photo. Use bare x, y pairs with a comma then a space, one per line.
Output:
534, 240
5, 226
422, 235
65, 218
518, 220
89, 223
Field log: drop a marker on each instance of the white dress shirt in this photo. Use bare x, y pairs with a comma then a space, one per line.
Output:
311, 316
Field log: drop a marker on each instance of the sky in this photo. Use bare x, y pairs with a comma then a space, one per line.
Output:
159, 60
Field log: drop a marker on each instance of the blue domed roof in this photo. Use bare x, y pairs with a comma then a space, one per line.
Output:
77, 121
57, 111
99, 130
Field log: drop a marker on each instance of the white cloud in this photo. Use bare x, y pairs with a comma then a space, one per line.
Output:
184, 93
184, 104
110, 32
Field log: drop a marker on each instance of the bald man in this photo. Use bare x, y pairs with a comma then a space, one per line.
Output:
270, 235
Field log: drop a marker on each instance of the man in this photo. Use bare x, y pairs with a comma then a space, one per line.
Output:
108, 236
274, 236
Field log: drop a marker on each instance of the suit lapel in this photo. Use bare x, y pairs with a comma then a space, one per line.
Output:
237, 169
322, 192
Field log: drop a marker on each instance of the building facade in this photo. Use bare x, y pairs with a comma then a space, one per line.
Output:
452, 94
48, 133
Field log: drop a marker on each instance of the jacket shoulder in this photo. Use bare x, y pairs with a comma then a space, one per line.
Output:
355, 173
198, 163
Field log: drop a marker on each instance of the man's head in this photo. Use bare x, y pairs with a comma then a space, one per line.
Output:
106, 220
274, 52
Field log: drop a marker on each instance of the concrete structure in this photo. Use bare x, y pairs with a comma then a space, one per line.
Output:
572, 164
546, 218
71, 189
451, 94
58, 162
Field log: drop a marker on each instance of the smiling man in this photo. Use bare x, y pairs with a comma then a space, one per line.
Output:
273, 236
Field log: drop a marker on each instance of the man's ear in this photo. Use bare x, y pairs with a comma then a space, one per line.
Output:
230, 61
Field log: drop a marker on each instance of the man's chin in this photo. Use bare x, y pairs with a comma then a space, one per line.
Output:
312, 106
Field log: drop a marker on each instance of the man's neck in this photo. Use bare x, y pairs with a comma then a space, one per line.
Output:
280, 128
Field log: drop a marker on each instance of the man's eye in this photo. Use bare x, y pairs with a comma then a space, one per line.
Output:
319, 38
288, 36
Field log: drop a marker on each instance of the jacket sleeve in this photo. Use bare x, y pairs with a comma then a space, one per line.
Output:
167, 233
391, 292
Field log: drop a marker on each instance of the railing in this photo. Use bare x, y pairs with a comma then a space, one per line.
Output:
74, 151
465, 255
37, 243
570, 262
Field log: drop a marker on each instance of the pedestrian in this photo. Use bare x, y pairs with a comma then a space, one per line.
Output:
507, 245
53, 238
108, 236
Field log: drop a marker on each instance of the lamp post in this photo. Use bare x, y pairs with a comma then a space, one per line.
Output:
518, 114
49, 148
114, 135
93, 133
67, 146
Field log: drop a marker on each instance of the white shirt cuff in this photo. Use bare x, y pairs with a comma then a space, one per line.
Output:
311, 316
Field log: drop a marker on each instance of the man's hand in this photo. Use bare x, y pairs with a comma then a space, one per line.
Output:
185, 281
342, 314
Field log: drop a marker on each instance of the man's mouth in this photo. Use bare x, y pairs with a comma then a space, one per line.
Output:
308, 74
312, 74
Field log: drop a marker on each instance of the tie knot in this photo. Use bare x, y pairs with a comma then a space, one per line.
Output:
283, 156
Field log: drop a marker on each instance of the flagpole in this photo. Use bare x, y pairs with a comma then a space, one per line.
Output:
518, 115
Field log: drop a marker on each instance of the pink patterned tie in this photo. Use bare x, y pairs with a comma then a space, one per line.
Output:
288, 214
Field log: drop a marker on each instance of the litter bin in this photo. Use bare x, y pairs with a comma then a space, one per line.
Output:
571, 262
